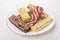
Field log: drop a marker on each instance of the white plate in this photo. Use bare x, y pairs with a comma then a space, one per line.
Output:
15, 29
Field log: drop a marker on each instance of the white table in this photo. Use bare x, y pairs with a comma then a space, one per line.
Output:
6, 6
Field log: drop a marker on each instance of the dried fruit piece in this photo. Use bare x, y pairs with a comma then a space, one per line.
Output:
24, 15
31, 7
41, 23
43, 15
18, 23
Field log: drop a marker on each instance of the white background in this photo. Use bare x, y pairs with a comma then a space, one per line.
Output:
8, 6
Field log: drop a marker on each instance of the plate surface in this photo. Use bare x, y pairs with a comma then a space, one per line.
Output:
15, 29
